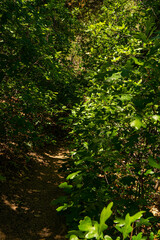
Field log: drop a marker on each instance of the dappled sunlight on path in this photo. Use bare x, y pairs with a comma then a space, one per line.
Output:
25, 209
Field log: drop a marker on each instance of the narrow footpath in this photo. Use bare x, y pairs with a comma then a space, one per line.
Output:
26, 212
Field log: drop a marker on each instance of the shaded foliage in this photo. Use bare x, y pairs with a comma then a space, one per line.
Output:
116, 127
36, 77
102, 62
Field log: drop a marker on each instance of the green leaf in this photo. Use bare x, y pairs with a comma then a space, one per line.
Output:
105, 214
106, 237
85, 144
73, 237
151, 237
93, 233
120, 222
137, 61
156, 117
76, 233
141, 36
136, 216
61, 199
86, 224
137, 123
124, 226
72, 175
149, 172
62, 208
126, 231
65, 185
114, 77
125, 97
127, 219
153, 163
143, 221
138, 237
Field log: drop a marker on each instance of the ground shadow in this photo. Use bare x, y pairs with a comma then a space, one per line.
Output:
25, 209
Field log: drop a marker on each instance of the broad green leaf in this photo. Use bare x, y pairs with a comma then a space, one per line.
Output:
124, 226
65, 185
73, 237
77, 233
136, 216
61, 199
114, 77
72, 175
137, 123
127, 219
85, 144
119, 228
119, 222
86, 224
138, 237
148, 172
126, 230
156, 117
151, 237
125, 97
62, 208
105, 214
93, 233
106, 237
153, 163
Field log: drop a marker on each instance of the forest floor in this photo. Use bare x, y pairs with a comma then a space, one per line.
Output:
26, 212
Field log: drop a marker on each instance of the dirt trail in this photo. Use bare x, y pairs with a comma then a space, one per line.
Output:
25, 209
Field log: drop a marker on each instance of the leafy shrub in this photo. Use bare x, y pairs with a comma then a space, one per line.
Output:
36, 80
116, 127
89, 229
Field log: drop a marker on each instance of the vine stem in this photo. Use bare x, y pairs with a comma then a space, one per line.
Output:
132, 232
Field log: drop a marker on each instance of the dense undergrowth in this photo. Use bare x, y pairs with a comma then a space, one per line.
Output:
94, 70
38, 84
116, 126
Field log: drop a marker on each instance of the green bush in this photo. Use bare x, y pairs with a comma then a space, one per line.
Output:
89, 229
36, 78
116, 127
